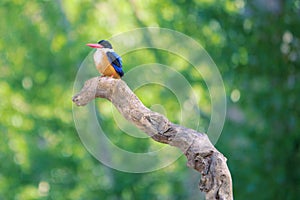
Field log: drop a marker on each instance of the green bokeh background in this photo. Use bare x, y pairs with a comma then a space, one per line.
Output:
255, 44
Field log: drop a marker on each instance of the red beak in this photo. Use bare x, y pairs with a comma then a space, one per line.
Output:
95, 45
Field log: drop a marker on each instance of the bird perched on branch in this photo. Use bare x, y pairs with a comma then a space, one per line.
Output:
107, 62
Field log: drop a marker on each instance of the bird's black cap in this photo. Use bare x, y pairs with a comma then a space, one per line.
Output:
105, 44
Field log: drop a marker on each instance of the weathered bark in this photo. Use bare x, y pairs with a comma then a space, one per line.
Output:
201, 154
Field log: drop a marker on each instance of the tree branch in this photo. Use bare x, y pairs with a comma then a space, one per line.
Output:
201, 154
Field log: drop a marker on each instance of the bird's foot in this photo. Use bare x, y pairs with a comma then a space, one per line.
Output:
111, 76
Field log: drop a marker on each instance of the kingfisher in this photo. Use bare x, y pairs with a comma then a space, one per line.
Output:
107, 61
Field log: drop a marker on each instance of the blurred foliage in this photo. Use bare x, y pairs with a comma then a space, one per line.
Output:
255, 44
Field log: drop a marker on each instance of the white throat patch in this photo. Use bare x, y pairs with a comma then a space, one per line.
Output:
98, 55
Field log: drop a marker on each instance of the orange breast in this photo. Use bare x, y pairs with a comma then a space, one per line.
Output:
110, 71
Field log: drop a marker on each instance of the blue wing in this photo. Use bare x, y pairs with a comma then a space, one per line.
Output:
116, 62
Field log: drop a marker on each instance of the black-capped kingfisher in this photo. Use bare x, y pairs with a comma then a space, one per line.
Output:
107, 62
